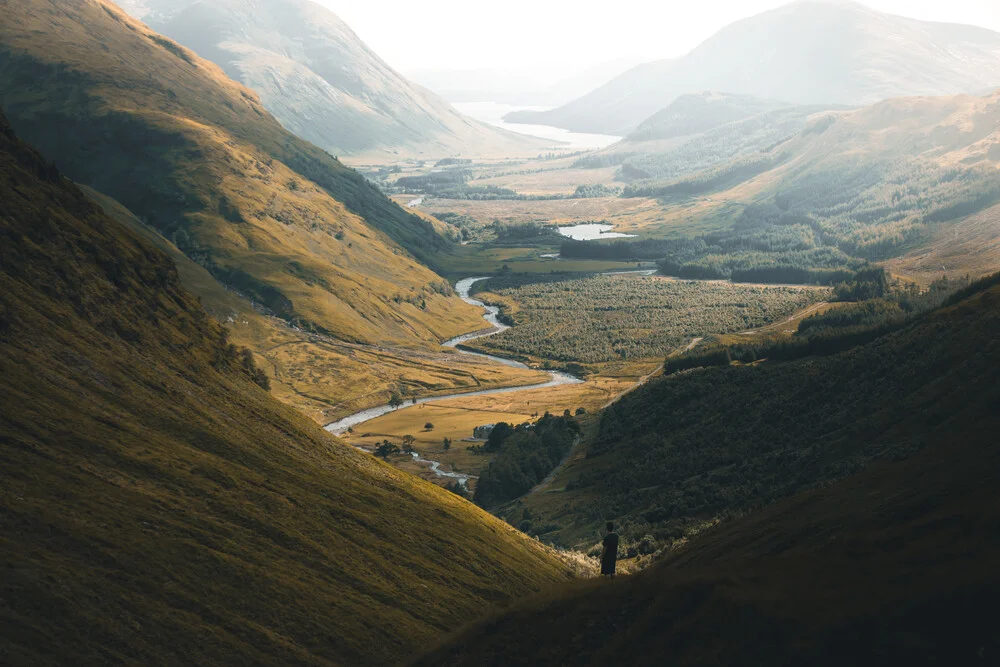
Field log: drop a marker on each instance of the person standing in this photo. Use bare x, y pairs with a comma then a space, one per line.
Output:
609, 557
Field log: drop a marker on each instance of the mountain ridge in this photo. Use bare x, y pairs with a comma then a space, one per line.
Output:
791, 54
144, 120
321, 81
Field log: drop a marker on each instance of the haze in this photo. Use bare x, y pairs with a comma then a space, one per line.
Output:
454, 34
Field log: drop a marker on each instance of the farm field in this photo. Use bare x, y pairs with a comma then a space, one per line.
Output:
608, 317
472, 260
550, 181
456, 418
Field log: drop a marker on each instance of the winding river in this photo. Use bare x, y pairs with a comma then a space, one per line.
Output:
463, 287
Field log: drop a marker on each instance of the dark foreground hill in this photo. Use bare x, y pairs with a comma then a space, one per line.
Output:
893, 565
158, 507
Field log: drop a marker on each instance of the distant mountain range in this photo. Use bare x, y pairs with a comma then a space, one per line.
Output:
544, 86
321, 81
809, 52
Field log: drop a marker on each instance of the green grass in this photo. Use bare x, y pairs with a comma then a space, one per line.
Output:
158, 507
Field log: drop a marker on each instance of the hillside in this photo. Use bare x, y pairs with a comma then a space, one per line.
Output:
196, 156
700, 112
321, 81
908, 181
808, 52
892, 565
160, 508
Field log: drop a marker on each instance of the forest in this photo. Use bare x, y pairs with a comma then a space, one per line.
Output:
878, 309
689, 448
525, 454
614, 317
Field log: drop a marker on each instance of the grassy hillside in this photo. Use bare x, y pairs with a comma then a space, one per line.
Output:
147, 122
690, 449
894, 565
157, 507
322, 82
808, 52
828, 192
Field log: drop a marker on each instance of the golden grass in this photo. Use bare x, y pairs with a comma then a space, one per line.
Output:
550, 182
323, 377
455, 418
219, 169
158, 507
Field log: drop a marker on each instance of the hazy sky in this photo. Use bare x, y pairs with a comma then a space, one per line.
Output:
468, 34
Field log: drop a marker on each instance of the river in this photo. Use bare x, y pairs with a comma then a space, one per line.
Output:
493, 113
463, 288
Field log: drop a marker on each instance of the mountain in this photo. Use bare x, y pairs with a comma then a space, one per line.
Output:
808, 52
880, 183
158, 507
700, 112
893, 564
321, 81
537, 85
196, 156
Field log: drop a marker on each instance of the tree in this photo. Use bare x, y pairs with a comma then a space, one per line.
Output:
386, 449
447, 444
428, 426
395, 400
408, 440
408, 449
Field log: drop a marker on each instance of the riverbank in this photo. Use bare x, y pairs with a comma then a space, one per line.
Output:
462, 288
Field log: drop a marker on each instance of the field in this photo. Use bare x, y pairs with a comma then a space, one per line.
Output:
323, 377
610, 317
456, 418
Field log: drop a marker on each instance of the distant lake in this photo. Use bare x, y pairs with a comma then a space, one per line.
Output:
493, 113
592, 232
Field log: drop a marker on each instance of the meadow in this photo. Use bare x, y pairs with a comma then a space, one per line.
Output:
619, 317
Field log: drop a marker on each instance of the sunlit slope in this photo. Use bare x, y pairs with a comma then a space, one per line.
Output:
147, 122
806, 52
894, 565
876, 183
322, 82
157, 507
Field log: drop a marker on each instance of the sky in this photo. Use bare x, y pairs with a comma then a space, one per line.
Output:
421, 35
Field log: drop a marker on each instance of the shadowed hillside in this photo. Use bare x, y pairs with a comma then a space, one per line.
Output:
145, 121
894, 565
158, 507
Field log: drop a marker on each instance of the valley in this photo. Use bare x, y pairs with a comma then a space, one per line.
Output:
302, 362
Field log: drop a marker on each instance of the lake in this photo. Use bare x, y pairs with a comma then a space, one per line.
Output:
592, 232
493, 113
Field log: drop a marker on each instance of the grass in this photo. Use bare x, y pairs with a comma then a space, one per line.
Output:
159, 507
456, 418
268, 214
476, 260
615, 317
894, 564
323, 377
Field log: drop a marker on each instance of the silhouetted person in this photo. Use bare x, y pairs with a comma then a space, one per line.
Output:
609, 558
